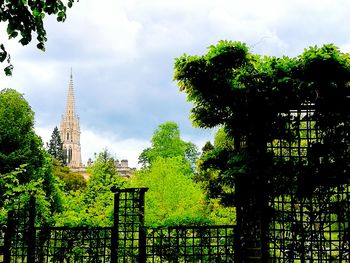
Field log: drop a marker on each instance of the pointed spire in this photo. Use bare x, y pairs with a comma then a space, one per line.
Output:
70, 107
70, 130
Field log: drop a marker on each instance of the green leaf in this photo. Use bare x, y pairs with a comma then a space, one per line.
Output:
8, 70
41, 46
3, 54
13, 34
36, 12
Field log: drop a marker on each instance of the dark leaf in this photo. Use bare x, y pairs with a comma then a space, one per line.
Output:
8, 70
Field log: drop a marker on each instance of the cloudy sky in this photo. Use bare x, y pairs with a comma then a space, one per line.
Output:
122, 54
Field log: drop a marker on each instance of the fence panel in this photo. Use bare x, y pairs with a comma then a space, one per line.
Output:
2, 242
190, 244
18, 239
129, 220
73, 244
310, 207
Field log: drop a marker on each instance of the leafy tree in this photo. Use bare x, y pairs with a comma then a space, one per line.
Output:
168, 168
213, 168
173, 198
26, 17
252, 98
166, 143
73, 181
55, 147
246, 94
74, 212
104, 176
91, 205
18, 142
98, 197
21, 148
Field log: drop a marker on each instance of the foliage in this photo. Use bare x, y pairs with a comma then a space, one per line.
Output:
229, 84
21, 148
18, 142
221, 215
213, 168
166, 143
26, 17
289, 118
55, 147
172, 198
15, 193
222, 140
74, 212
73, 181
104, 176
246, 94
93, 206
90, 205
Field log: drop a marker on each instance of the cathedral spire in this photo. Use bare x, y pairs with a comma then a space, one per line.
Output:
70, 130
70, 106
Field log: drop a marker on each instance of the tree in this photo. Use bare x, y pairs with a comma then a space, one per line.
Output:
246, 94
18, 142
98, 195
253, 98
104, 176
166, 143
92, 205
55, 147
168, 168
73, 181
26, 17
213, 168
173, 198
22, 153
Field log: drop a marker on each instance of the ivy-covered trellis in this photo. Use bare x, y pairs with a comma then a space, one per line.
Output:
290, 165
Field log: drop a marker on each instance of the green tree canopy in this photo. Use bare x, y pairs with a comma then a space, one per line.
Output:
93, 205
55, 147
24, 17
264, 103
248, 95
213, 168
167, 143
232, 87
73, 181
173, 198
19, 144
22, 154
104, 177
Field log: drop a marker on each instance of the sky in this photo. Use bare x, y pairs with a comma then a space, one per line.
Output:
122, 55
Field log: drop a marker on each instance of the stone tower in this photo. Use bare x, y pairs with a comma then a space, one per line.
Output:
70, 130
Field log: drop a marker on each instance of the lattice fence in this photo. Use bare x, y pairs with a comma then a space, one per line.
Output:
190, 244
311, 204
74, 244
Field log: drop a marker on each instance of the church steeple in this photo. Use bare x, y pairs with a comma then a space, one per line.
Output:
70, 106
70, 130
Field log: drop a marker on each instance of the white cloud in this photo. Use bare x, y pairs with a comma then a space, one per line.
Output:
95, 142
121, 147
122, 54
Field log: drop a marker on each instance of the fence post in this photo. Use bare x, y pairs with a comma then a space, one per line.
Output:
142, 230
9, 231
114, 235
31, 231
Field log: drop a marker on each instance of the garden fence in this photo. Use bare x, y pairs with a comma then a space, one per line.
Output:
128, 240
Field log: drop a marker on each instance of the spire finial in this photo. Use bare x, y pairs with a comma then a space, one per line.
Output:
71, 73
